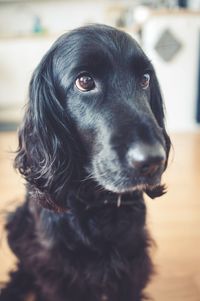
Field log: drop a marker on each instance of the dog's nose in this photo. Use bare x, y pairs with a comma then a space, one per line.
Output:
146, 159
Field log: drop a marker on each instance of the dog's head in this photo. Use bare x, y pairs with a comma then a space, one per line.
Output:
95, 111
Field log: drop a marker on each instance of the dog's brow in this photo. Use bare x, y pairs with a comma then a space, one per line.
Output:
140, 64
92, 61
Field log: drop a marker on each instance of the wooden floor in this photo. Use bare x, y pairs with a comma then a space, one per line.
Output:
174, 219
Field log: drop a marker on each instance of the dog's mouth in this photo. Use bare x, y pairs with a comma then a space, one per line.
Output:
118, 178
121, 187
126, 196
117, 197
106, 198
140, 187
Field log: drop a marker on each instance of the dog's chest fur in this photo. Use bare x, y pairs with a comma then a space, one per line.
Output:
89, 248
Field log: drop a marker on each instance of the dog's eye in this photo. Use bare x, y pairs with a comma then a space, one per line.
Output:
144, 81
85, 82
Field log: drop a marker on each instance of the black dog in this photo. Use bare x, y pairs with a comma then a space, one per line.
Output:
92, 143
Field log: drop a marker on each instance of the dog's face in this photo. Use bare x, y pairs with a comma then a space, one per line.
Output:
97, 83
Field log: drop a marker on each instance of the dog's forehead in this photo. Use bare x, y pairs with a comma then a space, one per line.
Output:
102, 46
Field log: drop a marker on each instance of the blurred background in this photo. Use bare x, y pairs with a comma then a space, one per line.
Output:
169, 32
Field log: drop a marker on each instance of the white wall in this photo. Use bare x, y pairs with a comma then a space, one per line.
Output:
179, 77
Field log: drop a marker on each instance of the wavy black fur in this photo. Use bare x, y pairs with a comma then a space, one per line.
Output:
74, 238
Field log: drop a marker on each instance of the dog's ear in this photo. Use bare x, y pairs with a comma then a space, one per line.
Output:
46, 146
158, 109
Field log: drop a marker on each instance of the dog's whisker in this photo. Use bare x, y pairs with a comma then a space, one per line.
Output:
88, 177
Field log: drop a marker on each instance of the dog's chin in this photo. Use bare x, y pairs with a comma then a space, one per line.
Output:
129, 189
153, 190
123, 190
